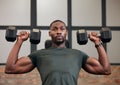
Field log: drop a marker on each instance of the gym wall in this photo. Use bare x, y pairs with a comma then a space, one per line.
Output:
88, 14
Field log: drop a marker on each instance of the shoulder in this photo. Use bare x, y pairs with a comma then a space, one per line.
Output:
78, 51
71, 49
39, 52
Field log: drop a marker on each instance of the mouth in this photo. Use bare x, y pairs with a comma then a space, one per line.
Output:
59, 38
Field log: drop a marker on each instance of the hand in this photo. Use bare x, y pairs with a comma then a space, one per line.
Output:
23, 36
93, 36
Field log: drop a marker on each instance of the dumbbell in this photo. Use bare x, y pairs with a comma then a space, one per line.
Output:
105, 36
11, 34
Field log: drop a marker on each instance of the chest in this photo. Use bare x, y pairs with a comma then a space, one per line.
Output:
60, 60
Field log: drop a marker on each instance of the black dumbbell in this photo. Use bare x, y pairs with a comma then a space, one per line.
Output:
82, 36
11, 34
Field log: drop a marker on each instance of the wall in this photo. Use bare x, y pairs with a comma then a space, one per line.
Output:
33, 78
84, 13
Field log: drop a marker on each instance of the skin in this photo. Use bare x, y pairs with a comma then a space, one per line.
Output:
58, 33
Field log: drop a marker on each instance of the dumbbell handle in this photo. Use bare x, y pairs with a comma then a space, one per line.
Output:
84, 31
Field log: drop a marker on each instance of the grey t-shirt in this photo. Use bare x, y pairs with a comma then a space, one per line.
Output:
59, 66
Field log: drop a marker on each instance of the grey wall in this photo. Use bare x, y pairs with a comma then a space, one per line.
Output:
84, 13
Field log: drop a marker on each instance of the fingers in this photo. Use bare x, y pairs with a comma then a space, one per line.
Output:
23, 35
93, 36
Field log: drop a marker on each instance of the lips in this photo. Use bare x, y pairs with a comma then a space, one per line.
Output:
59, 37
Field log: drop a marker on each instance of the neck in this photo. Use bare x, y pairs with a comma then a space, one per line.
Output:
59, 46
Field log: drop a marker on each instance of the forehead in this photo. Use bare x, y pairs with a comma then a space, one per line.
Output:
58, 23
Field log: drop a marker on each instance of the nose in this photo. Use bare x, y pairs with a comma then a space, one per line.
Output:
59, 31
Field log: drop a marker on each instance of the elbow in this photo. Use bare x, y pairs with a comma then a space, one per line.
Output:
107, 70
107, 73
9, 70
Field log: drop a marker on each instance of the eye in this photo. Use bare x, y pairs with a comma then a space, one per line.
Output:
63, 28
54, 29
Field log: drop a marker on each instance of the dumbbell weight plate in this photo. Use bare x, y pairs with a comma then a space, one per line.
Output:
35, 36
11, 34
82, 37
106, 35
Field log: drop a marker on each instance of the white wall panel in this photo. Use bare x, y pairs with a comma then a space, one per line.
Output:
114, 47
86, 12
14, 12
5, 47
113, 12
49, 10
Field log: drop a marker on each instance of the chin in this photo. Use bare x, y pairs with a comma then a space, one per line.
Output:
59, 42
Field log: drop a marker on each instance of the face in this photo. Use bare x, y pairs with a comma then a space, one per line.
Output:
58, 32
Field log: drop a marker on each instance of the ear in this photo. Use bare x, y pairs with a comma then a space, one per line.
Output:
49, 33
66, 32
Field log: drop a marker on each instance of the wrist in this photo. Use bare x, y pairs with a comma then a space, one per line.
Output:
19, 41
97, 41
98, 44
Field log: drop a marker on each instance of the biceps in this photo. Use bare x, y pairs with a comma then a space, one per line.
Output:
93, 66
24, 65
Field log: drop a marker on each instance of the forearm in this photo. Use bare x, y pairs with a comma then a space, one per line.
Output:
103, 58
13, 56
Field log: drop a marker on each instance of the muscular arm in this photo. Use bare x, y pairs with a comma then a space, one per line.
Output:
15, 65
101, 65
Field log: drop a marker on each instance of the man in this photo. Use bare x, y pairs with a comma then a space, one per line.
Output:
58, 65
